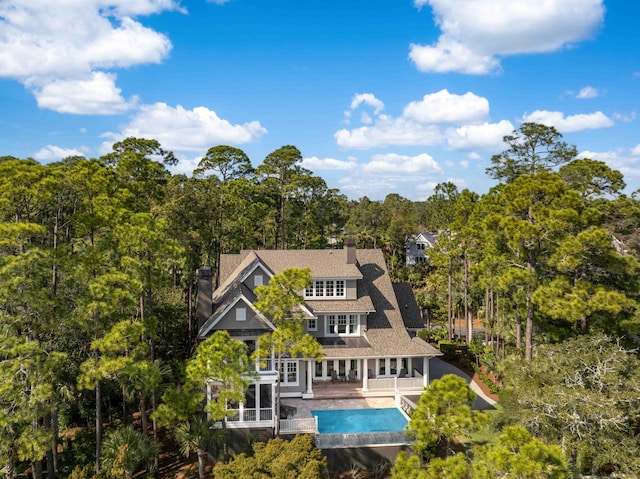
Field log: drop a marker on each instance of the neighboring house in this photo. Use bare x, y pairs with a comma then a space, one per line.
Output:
352, 309
417, 247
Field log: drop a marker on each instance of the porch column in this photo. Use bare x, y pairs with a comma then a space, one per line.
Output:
365, 375
425, 371
409, 367
257, 401
275, 414
309, 393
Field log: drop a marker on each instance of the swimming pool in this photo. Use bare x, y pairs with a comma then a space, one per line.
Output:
341, 421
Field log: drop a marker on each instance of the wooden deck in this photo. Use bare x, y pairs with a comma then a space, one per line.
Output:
337, 390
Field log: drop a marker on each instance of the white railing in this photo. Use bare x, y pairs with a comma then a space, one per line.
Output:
299, 426
406, 405
250, 415
265, 366
395, 384
410, 383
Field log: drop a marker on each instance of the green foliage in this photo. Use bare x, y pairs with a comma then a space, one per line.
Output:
434, 335
532, 148
443, 415
519, 454
277, 459
409, 467
582, 393
448, 349
126, 450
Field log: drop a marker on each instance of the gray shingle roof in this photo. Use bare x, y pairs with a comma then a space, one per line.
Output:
408, 306
386, 334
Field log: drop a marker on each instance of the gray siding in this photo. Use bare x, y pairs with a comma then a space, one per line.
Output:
229, 321
351, 290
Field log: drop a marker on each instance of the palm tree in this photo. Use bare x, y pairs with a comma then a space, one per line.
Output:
196, 435
124, 450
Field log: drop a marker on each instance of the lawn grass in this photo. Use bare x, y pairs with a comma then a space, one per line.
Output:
487, 434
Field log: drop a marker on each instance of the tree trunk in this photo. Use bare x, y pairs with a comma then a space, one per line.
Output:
36, 469
98, 424
202, 455
467, 313
528, 352
55, 431
450, 302
518, 331
144, 422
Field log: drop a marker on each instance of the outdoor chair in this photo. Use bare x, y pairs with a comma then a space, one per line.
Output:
352, 375
287, 412
334, 376
403, 373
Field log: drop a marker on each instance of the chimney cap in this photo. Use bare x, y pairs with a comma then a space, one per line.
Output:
349, 242
205, 272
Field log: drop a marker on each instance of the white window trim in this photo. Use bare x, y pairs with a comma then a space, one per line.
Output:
284, 373
334, 331
258, 280
310, 293
241, 314
315, 322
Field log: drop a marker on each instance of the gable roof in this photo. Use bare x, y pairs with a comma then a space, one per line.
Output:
385, 334
408, 307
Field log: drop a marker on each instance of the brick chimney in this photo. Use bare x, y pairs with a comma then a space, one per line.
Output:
205, 295
350, 248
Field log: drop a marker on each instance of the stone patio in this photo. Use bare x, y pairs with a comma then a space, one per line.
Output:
305, 406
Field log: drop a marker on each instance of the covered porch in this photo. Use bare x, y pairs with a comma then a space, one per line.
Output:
362, 377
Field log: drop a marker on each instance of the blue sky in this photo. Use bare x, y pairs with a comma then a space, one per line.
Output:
387, 96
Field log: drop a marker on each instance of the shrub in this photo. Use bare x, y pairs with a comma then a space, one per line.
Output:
448, 350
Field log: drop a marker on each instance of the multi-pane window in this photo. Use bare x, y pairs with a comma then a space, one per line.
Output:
289, 373
354, 323
331, 288
312, 324
342, 325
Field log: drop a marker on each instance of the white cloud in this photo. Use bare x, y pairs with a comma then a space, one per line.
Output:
97, 95
180, 129
50, 45
185, 166
365, 118
52, 152
487, 136
419, 124
451, 56
314, 163
628, 163
368, 99
389, 131
444, 107
583, 121
474, 35
375, 188
588, 92
430, 186
401, 164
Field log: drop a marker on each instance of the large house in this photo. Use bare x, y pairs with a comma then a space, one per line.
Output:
361, 319
417, 247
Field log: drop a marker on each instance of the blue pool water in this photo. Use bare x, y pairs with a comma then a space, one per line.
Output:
339, 421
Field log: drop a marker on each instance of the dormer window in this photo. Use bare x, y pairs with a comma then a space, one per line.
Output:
326, 289
342, 325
